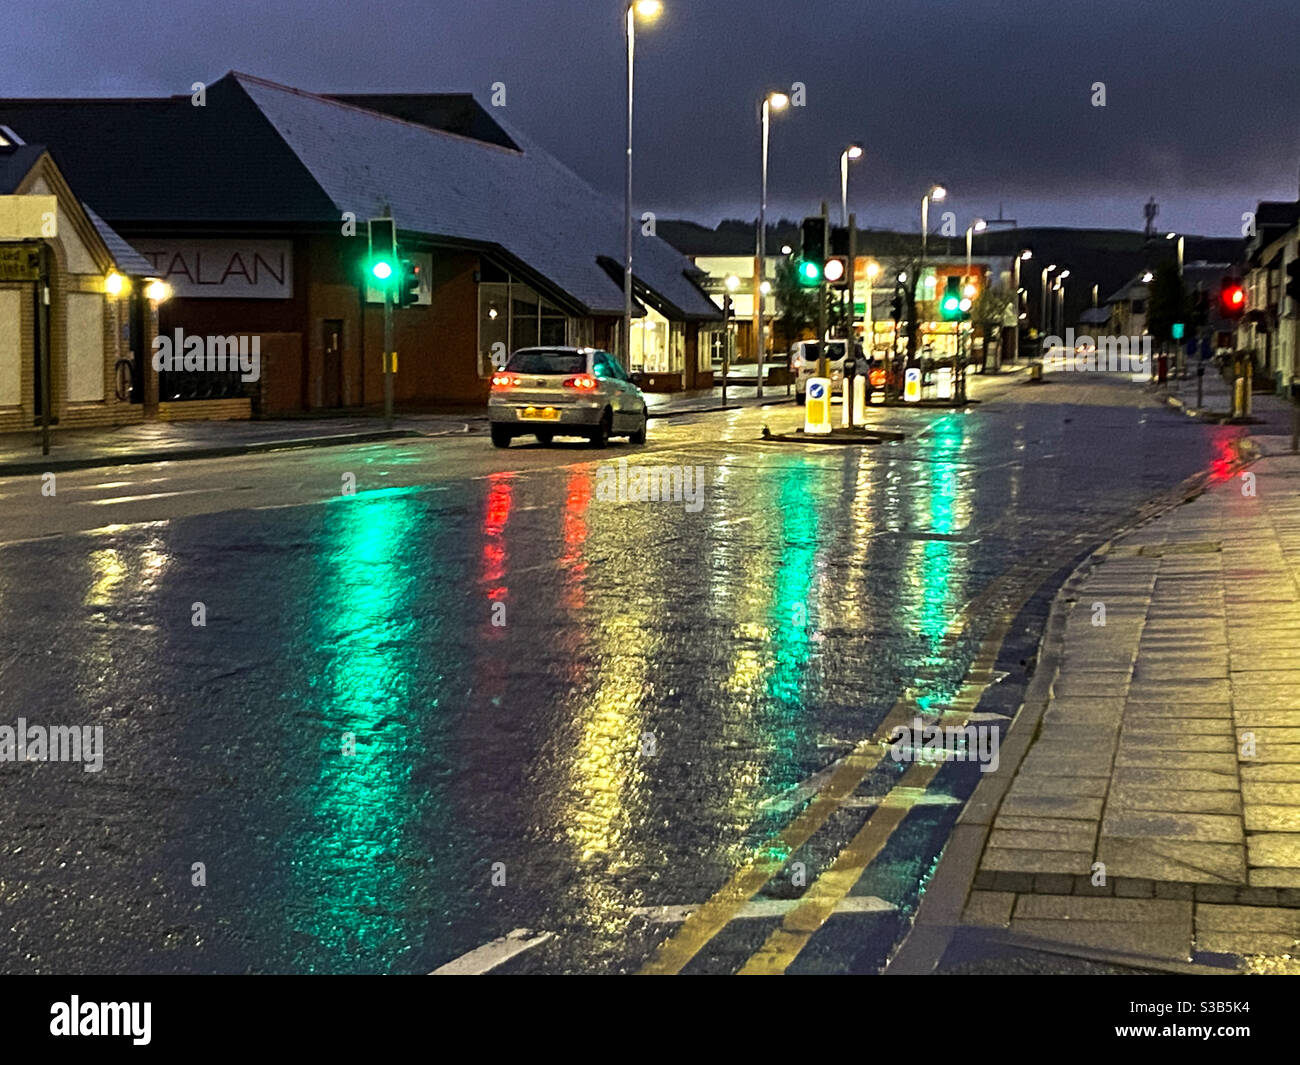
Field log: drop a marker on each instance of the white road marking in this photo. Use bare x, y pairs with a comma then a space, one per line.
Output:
901, 798
764, 908
792, 797
484, 959
153, 495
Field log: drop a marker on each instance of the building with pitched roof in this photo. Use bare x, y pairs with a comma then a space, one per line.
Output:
98, 313
251, 199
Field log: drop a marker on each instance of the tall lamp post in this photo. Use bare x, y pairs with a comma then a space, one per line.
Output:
1042, 317
1181, 249
977, 226
852, 152
936, 194
1022, 256
1060, 302
773, 101
648, 10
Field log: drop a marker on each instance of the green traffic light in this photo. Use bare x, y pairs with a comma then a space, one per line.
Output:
382, 270
809, 272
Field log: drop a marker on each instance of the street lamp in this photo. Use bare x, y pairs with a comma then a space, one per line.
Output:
1181, 246
1023, 257
1043, 300
977, 226
936, 194
773, 101
158, 291
854, 152
648, 10
1060, 301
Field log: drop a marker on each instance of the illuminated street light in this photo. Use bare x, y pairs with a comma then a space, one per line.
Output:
732, 282
114, 284
158, 291
772, 101
649, 10
853, 151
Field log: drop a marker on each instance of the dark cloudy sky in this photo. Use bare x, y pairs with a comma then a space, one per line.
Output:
992, 97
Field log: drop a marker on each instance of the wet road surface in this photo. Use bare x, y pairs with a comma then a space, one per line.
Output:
477, 695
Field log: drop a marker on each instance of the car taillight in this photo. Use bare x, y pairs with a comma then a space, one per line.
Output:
877, 378
504, 380
583, 382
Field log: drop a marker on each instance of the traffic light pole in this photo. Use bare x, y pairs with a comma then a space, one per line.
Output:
388, 355
823, 360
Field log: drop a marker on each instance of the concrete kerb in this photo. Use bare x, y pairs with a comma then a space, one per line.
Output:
938, 917
51, 463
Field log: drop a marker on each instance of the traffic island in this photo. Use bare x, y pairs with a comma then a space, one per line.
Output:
857, 435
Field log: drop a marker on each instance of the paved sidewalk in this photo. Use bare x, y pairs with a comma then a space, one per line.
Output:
1157, 812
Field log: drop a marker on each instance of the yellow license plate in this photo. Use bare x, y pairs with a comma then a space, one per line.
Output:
540, 414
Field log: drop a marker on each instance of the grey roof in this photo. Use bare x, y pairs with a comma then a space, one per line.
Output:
128, 260
1094, 316
454, 187
16, 162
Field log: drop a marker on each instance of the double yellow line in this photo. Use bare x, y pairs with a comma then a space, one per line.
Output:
819, 902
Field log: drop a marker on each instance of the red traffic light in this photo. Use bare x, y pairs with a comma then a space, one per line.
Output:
1232, 299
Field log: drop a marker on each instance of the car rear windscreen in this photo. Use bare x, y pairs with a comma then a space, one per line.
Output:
547, 362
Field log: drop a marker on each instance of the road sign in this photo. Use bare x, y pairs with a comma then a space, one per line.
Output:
912, 384
817, 406
20, 262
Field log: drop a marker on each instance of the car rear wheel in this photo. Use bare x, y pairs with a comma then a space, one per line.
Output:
639, 436
545, 437
501, 435
600, 438
799, 398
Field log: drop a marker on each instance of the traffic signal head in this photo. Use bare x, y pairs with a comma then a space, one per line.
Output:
950, 305
896, 307
837, 271
813, 243
382, 234
408, 289
1232, 298
809, 272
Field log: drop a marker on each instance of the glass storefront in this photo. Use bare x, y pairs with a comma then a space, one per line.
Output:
658, 345
513, 315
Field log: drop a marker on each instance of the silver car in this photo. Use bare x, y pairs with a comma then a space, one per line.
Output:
550, 392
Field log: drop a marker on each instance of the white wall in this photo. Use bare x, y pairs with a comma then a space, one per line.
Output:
11, 348
85, 347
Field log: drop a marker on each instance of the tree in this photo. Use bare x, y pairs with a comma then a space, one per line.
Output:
989, 311
797, 305
1166, 302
